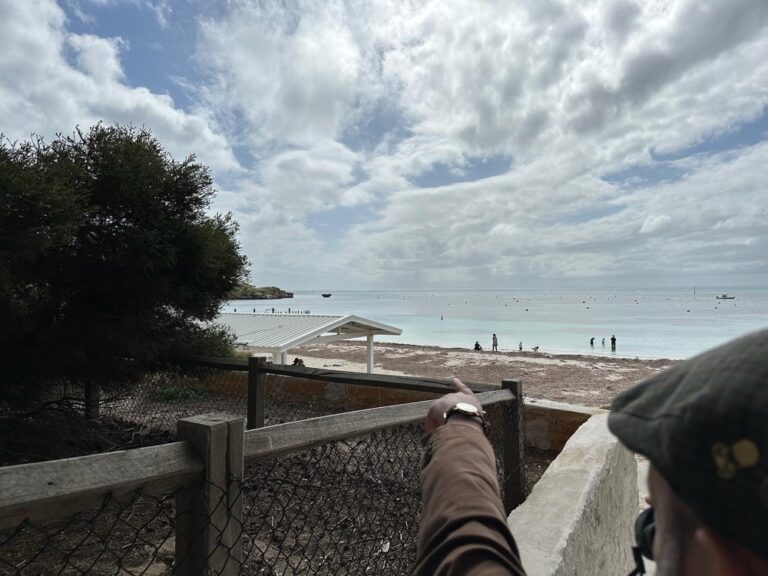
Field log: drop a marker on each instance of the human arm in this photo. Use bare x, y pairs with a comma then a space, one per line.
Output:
463, 526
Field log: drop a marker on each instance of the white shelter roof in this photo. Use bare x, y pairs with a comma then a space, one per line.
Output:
281, 332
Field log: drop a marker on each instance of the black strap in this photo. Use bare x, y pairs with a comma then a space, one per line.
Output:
639, 564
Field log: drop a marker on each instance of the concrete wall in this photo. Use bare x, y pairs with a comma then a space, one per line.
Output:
578, 519
549, 424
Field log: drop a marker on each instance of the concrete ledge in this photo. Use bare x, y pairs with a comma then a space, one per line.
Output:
579, 517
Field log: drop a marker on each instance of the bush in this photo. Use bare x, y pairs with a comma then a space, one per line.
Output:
109, 259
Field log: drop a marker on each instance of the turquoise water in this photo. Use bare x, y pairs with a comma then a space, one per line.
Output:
647, 323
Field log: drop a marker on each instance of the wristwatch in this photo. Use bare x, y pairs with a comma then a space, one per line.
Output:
469, 410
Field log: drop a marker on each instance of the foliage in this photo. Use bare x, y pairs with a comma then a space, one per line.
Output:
179, 389
108, 257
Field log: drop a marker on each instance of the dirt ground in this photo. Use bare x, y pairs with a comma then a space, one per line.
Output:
576, 379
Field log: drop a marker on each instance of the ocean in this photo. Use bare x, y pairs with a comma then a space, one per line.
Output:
659, 323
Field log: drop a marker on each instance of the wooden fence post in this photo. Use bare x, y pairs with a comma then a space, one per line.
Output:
513, 430
209, 512
92, 398
257, 392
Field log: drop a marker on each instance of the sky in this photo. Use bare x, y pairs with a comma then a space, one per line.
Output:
433, 144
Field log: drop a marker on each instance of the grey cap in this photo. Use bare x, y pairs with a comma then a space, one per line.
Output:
703, 424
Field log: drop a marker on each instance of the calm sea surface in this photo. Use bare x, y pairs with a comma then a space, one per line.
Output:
647, 323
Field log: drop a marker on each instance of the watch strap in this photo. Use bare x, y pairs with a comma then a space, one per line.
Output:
480, 415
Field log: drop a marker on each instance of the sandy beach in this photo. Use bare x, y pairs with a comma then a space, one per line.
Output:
577, 379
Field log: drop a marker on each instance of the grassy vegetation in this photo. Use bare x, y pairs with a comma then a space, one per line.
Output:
181, 389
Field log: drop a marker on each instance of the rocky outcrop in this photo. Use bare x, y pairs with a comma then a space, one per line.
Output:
249, 292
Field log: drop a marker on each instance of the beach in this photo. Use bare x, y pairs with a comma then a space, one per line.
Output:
576, 379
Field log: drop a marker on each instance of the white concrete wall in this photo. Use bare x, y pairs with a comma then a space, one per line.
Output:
578, 520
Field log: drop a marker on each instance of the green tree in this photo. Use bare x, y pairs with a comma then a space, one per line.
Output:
108, 257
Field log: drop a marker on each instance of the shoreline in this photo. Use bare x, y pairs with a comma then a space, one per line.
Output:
527, 351
573, 378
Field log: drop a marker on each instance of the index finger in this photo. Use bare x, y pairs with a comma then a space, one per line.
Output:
460, 386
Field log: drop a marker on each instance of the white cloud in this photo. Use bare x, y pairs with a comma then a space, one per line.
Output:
345, 103
569, 91
160, 9
54, 80
291, 76
310, 180
97, 57
654, 222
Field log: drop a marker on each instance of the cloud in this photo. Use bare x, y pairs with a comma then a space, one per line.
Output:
349, 104
290, 74
569, 91
160, 9
97, 57
654, 222
54, 80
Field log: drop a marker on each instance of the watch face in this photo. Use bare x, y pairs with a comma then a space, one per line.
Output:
466, 408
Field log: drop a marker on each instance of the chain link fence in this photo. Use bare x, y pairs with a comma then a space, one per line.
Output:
164, 397
134, 535
347, 507
182, 390
350, 506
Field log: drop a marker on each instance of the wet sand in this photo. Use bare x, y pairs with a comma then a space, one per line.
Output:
576, 379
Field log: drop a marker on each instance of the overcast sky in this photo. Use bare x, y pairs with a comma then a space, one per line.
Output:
427, 144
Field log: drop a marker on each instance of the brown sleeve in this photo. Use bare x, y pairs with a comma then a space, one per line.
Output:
463, 526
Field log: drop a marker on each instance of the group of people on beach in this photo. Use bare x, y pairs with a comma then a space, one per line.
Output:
495, 345
613, 342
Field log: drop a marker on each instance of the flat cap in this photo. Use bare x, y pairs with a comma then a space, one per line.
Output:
703, 424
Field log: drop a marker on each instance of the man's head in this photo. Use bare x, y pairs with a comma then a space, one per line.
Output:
703, 424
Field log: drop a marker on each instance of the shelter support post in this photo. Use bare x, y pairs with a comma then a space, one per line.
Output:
369, 338
513, 434
257, 392
209, 512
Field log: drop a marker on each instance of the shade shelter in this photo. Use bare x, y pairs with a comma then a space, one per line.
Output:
278, 333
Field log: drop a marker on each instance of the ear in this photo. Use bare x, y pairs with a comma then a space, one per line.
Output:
725, 558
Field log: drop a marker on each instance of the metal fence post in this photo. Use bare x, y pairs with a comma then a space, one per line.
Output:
257, 392
209, 512
515, 482
92, 398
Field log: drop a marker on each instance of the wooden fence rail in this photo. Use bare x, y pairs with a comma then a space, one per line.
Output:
214, 450
304, 434
54, 489
258, 369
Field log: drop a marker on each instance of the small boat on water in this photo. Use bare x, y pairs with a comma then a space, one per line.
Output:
326, 295
724, 297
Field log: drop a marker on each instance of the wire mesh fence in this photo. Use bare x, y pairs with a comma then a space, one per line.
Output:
161, 398
180, 390
347, 507
134, 535
350, 506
